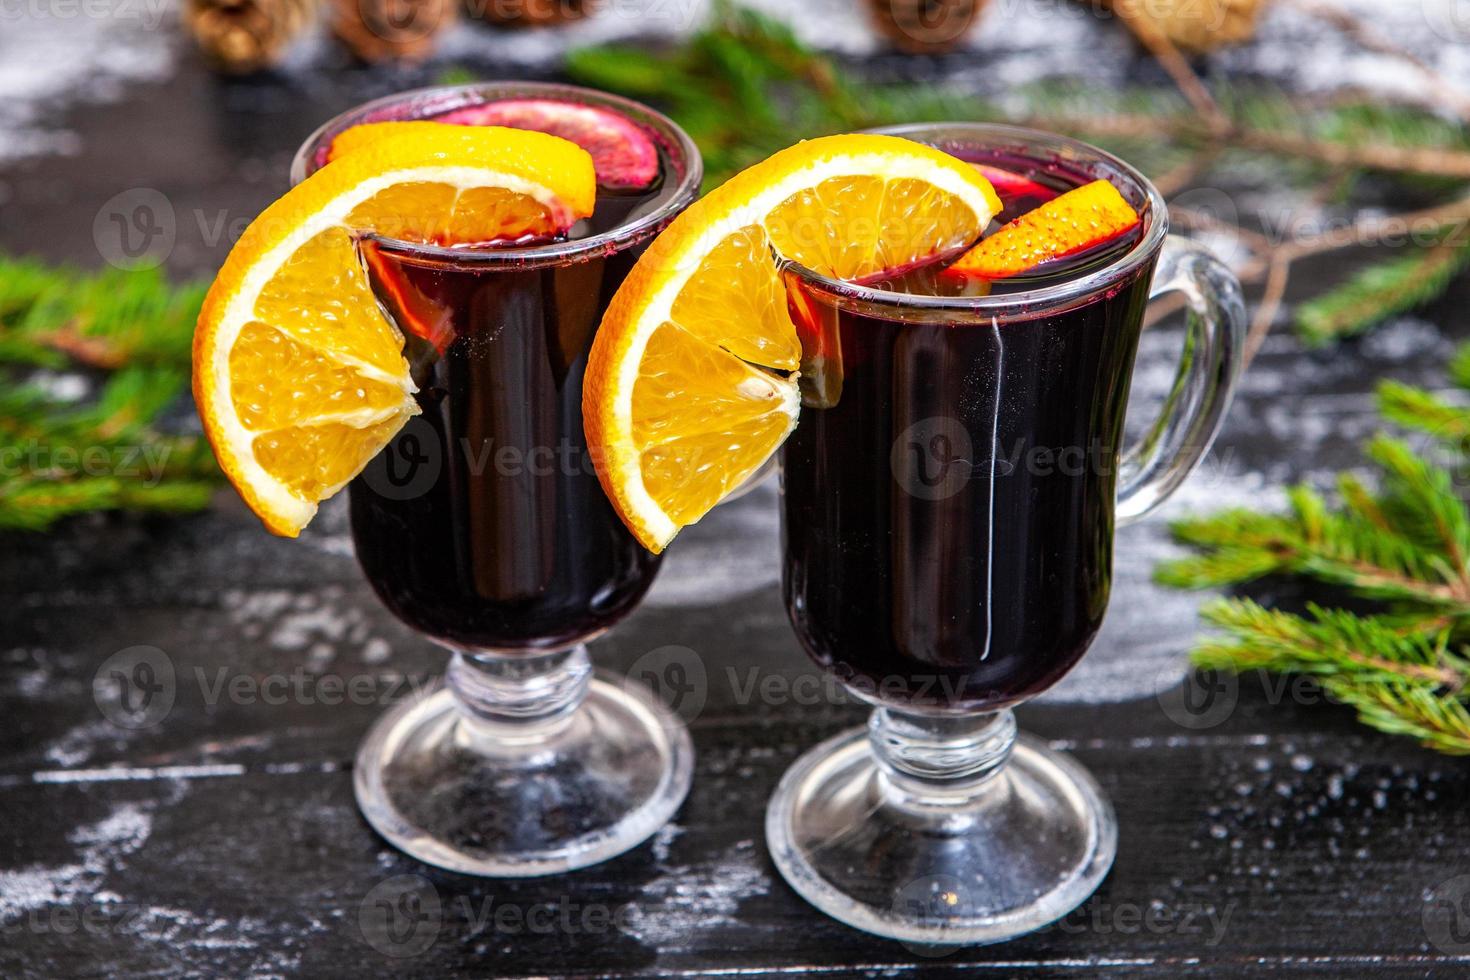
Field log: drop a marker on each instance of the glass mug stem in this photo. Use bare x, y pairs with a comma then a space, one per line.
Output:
515, 700
927, 760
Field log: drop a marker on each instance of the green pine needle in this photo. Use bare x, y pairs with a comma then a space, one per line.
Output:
51, 316
1391, 125
1400, 683
1422, 411
1349, 548
1326, 641
1460, 367
745, 87
1405, 544
1437, 721
129, 330
1382, 290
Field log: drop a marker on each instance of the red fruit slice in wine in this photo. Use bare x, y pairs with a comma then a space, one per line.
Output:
623, 154
1008, 183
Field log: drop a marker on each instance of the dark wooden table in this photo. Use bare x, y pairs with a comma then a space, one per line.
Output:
1263, 832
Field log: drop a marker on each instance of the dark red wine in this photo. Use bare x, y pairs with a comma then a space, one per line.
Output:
948, 493
483, 524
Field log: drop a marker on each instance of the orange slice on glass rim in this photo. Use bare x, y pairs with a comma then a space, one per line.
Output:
624, 155
299, 377
691, 383
1070, 223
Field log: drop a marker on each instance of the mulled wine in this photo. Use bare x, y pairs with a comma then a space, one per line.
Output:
483, 524
950, 495
949, 490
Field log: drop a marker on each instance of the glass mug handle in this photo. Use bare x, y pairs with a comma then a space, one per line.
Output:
1214, 347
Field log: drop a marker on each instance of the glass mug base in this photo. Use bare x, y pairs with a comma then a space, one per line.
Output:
1019, 849
486, 798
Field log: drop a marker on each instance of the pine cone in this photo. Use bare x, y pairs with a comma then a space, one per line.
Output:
382, 30
1198, 25
242, 36
530, 13
925, 26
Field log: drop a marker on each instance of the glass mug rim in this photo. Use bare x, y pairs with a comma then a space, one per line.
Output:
1025, 304
435, 99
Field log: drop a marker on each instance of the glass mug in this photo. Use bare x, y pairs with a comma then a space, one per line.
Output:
949, 499
483, 526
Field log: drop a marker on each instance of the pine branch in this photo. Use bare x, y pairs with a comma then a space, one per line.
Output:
50, 316
36, 506
1406, 544
1359, 548
744, 87
1383, 290
1331, 642
1400, 684
1436, 722
1408, 143
1420, 410
1460, 367
744, 83
58, 456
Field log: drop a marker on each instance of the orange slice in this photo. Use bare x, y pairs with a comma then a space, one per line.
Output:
362, 135
1073, 222
624, 155
299, 377
691, 384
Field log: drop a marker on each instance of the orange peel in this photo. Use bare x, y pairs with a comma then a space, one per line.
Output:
1068, 224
